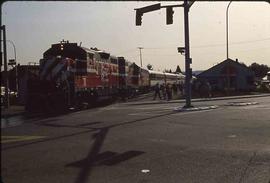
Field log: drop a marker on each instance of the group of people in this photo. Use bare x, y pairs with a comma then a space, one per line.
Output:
164, 90
202, 88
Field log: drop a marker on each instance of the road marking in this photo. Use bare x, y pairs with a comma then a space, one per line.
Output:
145, 171
142, 114
8, 139
166, 111
232, 136
191, 112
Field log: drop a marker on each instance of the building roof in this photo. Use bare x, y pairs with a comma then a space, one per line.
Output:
227, 61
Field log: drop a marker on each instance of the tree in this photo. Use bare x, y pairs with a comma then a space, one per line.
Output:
149, 67
259, 70
178, 70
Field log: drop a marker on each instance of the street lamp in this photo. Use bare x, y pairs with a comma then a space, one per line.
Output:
16, 65
227, 28
15, 62
14, 49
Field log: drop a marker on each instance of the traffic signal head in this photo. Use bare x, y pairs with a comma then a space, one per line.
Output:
169, 15
139, 15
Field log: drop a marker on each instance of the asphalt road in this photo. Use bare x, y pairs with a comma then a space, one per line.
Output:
141, 144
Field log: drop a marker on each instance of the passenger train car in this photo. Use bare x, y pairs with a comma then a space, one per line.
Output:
165, 78
70, 75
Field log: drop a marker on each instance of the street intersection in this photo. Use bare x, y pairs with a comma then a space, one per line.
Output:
131, 142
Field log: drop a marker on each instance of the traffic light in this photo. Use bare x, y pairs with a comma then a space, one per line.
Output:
146, 9
169, 15
139, 15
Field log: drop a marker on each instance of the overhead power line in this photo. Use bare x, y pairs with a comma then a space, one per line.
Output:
211, 45
240, 42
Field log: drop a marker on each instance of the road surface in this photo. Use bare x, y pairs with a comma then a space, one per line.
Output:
142, 144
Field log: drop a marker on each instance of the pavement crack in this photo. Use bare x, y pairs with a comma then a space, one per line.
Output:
248, 164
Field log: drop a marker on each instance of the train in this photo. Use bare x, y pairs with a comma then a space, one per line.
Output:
72, 75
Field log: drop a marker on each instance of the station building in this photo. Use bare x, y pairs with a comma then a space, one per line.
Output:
229, 75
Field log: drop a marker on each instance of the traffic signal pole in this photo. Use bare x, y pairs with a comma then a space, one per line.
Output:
187, 57
186, 50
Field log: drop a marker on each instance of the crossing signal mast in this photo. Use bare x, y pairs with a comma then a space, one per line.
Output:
183, 50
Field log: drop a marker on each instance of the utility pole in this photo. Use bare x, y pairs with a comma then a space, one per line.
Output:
227, 44
6, 101
227, 32
140, 48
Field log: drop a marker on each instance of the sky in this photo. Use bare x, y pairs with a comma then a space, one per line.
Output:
33, 26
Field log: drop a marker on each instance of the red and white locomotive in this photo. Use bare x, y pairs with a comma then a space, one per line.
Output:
71, 75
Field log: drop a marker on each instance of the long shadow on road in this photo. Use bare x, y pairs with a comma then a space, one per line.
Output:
80, 126
99, 139
86, 169
87, 164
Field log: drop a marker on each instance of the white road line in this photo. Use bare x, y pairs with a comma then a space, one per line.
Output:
192, 112
160, 112
142, 114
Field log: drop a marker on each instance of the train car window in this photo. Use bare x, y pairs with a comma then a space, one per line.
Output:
81, 67
104, 55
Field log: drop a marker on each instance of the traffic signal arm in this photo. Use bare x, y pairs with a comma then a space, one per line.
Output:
149, 8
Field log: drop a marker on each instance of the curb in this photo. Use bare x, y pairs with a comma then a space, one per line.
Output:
241, 103
182, 109
197, 100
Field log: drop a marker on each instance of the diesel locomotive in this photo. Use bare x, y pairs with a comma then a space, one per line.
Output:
70, 75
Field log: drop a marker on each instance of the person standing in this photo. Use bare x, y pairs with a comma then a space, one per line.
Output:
157, 91
169, 92
209, 90
163, 91
174, 89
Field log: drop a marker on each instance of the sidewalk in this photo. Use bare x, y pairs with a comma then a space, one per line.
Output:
196, 100
13, 110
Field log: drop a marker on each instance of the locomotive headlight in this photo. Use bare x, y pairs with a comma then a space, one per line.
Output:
62, 47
